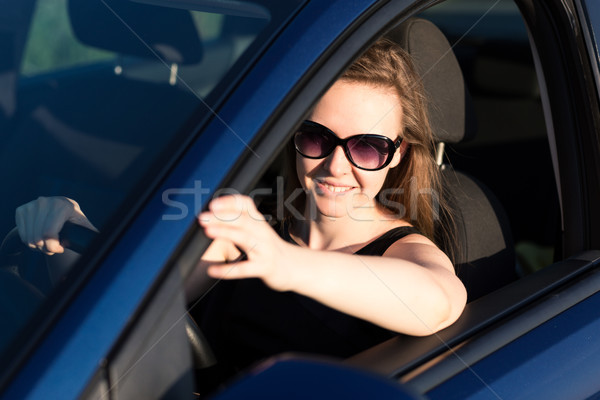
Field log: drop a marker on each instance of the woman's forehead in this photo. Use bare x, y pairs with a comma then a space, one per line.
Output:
349, 107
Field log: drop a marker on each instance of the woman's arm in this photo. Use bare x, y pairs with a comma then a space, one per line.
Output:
408, 290
412, 289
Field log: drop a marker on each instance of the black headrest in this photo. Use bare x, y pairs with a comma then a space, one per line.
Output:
452, 119
136, 29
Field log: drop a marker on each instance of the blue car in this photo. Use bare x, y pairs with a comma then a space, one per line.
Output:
143, 110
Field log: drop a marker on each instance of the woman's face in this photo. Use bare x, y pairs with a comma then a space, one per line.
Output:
338, 188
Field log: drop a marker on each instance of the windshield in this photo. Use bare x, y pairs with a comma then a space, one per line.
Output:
94, 97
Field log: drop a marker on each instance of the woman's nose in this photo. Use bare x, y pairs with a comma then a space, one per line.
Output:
337, 163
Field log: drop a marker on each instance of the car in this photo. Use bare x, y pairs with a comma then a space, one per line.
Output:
143, 110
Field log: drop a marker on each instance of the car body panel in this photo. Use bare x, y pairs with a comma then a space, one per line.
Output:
559, 359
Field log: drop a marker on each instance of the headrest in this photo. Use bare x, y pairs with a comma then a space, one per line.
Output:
136, 29
450, 108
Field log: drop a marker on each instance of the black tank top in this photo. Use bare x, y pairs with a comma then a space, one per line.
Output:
378, 246
245, 321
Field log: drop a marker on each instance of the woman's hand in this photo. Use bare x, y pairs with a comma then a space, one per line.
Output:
235, 219
40, 221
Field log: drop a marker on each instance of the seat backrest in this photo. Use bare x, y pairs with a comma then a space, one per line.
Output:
484, 252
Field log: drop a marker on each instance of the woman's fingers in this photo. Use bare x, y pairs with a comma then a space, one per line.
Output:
242, 231
40, 221
55, 218
238, 270
232, 206
52, 212
234, 218
51, 246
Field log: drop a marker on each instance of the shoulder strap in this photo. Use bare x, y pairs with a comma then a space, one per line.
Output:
378, 246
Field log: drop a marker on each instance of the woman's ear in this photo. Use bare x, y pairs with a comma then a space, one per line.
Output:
400, 153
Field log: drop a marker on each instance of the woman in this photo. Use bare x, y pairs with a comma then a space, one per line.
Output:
357, 264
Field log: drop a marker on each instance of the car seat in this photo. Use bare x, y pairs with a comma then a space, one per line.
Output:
484, 251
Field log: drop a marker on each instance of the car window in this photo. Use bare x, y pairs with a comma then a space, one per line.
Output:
491, 43
51, 44
96, 96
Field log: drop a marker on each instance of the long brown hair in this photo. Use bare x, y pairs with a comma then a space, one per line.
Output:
413, 189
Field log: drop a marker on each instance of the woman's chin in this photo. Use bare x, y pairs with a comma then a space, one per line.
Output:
339, 208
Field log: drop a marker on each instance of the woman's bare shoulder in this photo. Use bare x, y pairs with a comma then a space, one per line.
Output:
418, 248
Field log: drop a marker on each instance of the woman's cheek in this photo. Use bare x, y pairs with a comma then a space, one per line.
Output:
302, 170
371, 182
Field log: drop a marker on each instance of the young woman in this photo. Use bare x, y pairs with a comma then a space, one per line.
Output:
357, 263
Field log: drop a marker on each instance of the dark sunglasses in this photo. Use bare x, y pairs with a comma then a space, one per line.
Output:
365, 151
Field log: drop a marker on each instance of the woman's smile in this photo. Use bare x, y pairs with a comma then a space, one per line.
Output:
331, 187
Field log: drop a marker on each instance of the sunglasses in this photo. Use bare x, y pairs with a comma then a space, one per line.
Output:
365, 151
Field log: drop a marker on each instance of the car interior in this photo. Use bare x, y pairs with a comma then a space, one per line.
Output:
498, 167
510, 152
484, 261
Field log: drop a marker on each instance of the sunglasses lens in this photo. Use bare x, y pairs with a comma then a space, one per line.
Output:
369, 152
312, 142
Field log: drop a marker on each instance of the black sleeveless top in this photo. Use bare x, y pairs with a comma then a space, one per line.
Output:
245, 321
